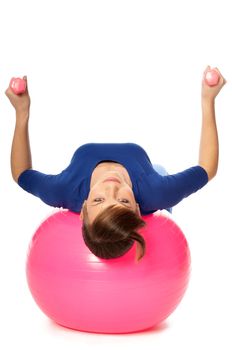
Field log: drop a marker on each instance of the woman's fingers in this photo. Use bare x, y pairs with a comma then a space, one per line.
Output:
222, 79
26, 88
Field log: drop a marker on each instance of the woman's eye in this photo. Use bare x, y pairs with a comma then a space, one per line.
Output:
97, 199
125, 201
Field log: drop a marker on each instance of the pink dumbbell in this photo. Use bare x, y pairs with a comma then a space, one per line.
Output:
212, 77
18, 85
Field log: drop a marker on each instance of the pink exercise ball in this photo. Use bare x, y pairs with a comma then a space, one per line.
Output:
81, 291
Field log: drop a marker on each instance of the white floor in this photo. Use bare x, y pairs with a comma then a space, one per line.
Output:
125, 71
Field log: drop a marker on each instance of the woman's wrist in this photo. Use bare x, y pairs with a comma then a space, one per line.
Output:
22, 116
206, 101
208, 108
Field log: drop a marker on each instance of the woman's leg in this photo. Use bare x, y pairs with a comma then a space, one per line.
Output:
162, 171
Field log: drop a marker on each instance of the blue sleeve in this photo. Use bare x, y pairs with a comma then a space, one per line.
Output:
49, 188
167, 191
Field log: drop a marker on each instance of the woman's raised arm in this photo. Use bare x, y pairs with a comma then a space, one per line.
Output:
209, 145
20, 150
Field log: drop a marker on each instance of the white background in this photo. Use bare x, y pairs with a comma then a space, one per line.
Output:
118, 71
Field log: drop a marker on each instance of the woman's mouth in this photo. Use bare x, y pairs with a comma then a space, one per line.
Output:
112, 179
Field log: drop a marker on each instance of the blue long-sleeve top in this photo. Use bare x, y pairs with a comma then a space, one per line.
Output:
152, 191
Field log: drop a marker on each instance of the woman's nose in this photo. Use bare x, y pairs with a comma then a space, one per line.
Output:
111, 197
112, 188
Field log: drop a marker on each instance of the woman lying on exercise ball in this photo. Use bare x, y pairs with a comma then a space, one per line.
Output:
112, 184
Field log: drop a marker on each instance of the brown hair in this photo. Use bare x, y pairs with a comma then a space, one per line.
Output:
113, 232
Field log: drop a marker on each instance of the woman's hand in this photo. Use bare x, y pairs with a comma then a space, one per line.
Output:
210, 92
21, 102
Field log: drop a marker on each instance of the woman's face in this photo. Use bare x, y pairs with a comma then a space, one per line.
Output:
110, 185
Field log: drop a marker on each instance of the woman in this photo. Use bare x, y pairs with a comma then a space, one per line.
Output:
111, 185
